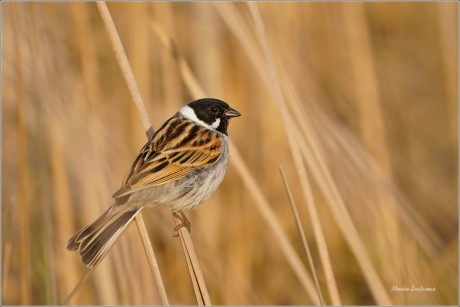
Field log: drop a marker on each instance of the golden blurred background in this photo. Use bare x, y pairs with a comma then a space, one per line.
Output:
366, 92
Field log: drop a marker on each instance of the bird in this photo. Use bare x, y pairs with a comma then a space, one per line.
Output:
179, 167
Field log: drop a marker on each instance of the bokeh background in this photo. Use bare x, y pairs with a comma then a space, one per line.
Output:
377, 88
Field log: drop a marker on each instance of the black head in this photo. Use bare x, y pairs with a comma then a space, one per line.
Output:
213, 113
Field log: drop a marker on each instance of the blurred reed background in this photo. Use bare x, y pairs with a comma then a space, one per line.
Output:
369, 96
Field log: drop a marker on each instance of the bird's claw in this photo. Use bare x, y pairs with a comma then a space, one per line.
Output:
184, 222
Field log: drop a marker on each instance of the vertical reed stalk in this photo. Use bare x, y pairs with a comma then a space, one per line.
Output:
248, 180
335, 201
300, 167
372, 122
135, 93
199, 285
298, 222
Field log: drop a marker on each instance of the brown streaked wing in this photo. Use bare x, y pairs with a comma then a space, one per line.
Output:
171, 155
153, 146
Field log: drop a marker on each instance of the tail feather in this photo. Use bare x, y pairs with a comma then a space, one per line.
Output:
94, 241
75, 240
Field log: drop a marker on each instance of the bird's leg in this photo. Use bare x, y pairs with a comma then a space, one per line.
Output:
184, 221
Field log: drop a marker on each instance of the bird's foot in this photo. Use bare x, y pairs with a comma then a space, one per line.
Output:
184, 221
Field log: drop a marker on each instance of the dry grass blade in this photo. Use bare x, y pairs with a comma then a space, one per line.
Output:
189, 251
323, 177
312, 155
152, 259
199, 286
414, 222
300, 167
78, 286
129, 77
153, 267
248, 180
195, 271
344, 220
302, 234
269, 216
124, 65
186, 73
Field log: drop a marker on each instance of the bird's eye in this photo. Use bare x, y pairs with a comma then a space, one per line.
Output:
214, 110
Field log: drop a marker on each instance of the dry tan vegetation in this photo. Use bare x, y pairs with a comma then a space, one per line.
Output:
357, 102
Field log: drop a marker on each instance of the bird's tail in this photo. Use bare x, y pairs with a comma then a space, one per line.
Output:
94, 241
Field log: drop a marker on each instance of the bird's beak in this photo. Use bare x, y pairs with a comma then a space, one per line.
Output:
232, 113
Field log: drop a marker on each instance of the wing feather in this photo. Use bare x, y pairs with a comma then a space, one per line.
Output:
171, 154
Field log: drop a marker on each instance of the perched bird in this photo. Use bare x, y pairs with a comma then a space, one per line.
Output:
179, 167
